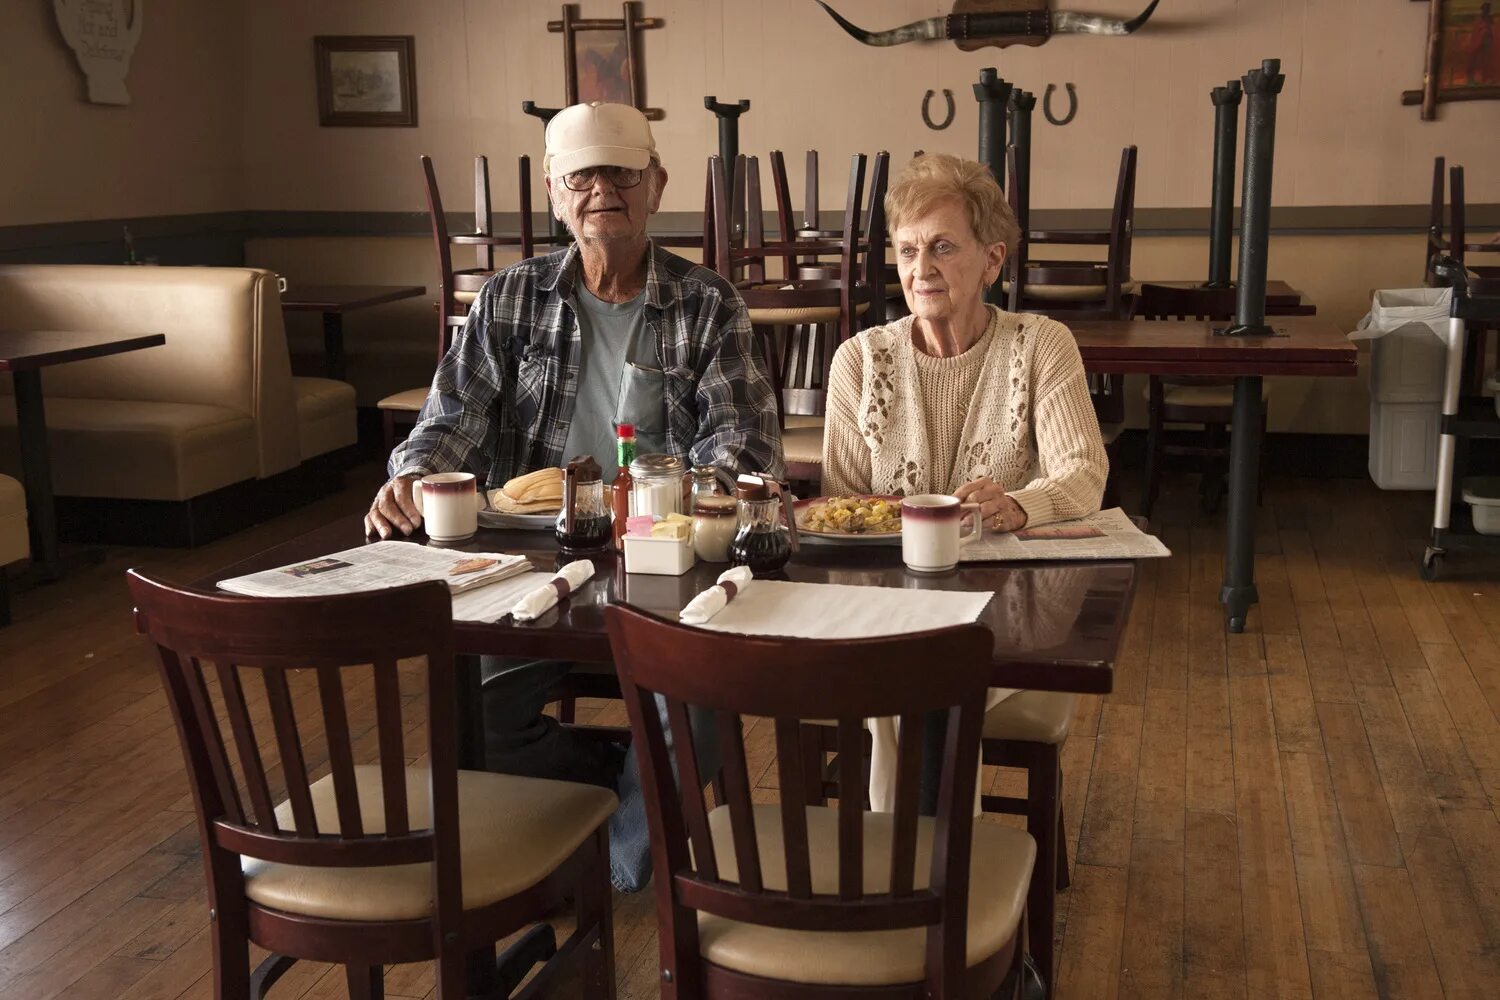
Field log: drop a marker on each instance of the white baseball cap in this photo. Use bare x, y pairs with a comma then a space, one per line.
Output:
597, 135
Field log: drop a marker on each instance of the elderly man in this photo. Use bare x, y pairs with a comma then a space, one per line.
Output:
556, 351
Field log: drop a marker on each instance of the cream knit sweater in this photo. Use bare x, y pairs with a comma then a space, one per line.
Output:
1014, 407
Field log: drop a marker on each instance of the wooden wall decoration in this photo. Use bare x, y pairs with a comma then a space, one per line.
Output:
602, 57
103, 35
1463, 54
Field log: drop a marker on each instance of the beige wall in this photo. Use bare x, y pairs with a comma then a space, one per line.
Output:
175, 149
1343, 136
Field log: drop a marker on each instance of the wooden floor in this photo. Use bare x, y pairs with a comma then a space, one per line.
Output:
1305, 810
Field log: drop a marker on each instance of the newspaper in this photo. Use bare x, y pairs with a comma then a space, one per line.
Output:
1109, 534
377, 566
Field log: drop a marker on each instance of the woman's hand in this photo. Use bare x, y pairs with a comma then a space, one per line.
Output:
1000, 512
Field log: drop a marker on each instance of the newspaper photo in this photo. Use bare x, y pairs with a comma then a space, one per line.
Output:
376, 566
1109, 534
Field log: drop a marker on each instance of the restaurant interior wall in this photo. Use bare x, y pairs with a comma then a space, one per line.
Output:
172, 158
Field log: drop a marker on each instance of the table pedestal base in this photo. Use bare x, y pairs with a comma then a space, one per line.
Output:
1239, 593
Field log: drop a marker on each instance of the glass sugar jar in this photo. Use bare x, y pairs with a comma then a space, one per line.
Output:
656, 485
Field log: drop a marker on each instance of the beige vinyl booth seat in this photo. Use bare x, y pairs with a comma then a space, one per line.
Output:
14, 542
216, 406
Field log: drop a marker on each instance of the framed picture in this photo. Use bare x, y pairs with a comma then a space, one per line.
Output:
366, 79
1463, 55
602, 56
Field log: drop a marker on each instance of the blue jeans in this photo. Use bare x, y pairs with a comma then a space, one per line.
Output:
519, 739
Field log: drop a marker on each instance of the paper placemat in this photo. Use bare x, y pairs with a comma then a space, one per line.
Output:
487, 604
840, 611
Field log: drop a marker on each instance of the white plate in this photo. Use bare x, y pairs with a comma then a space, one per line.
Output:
841, 537
522, 522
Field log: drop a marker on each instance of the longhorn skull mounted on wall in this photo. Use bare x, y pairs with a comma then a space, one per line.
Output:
974, 24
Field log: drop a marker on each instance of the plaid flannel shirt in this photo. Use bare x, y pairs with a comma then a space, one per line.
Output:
503, 397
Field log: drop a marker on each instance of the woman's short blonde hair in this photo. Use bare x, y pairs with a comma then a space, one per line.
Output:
936, 177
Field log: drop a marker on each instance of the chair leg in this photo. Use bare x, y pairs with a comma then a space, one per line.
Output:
1153, 452
1044, 781
4, 598
567, 709
366, 982
388, 430
1064, 871
596, 909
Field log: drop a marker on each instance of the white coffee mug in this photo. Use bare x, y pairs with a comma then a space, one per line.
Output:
449, 505
932, 531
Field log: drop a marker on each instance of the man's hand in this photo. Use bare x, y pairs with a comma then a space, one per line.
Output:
394, 508
1000, 512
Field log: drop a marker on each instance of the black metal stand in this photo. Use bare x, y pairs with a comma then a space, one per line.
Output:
1262, 85
729, 126
1022, 103
1239, 592
1226, 100
555, 228
333, 346
993, 95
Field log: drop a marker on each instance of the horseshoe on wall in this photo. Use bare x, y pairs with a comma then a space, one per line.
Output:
927, 116
1072, 104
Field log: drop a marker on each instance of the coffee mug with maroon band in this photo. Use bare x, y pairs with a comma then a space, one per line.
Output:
449, 505
932, 531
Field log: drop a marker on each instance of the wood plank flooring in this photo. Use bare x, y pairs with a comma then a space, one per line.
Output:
1305, 810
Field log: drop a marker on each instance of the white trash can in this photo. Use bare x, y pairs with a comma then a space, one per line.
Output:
1405, 328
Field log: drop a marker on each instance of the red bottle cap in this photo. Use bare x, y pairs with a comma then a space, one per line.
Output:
625, 430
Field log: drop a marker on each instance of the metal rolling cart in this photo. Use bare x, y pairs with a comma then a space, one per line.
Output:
1465, 417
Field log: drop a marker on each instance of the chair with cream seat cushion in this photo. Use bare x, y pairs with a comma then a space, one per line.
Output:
15, 543
371, 864
792, 899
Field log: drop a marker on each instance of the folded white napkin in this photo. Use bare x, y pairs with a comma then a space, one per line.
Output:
568, 579
709, 603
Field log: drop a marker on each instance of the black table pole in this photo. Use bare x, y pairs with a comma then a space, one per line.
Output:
1226, 101
1022, 104
1262, 85
729, 126
555, 227
993, 94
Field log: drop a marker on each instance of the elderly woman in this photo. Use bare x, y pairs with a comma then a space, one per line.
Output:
960, 397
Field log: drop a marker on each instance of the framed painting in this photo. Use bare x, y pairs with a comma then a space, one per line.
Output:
367, 80
602, 56
1463, 55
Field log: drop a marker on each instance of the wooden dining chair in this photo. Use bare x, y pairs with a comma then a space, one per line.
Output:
458, 287
1206, 400
366, 861
1076, 289
799, 322
1484, 273
1436, 243
758, 899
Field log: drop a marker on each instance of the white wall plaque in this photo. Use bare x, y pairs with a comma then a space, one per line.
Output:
102, 34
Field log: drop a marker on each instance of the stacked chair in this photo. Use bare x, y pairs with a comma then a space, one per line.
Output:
801, 317
458, 287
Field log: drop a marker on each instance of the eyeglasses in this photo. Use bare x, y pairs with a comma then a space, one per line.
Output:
618, 177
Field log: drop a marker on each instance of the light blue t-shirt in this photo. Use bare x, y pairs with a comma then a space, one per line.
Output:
619, 380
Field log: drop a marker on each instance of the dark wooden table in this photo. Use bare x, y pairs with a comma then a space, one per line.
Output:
335, 300
1076, 655
1311, 346
24, 353
1281, 298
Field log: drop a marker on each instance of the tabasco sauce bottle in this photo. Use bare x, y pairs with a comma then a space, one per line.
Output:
619, 489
